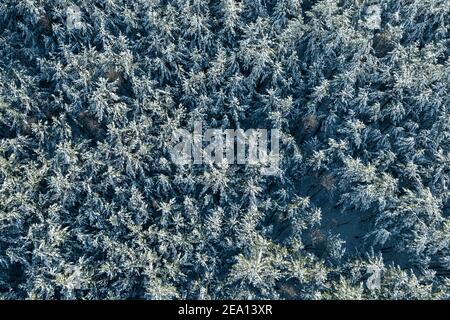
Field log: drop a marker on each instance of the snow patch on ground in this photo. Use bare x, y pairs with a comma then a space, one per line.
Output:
373, 18
73, 18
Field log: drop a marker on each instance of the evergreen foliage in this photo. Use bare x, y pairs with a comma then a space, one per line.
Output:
92, 207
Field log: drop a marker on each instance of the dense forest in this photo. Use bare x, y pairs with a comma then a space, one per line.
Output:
93, 207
